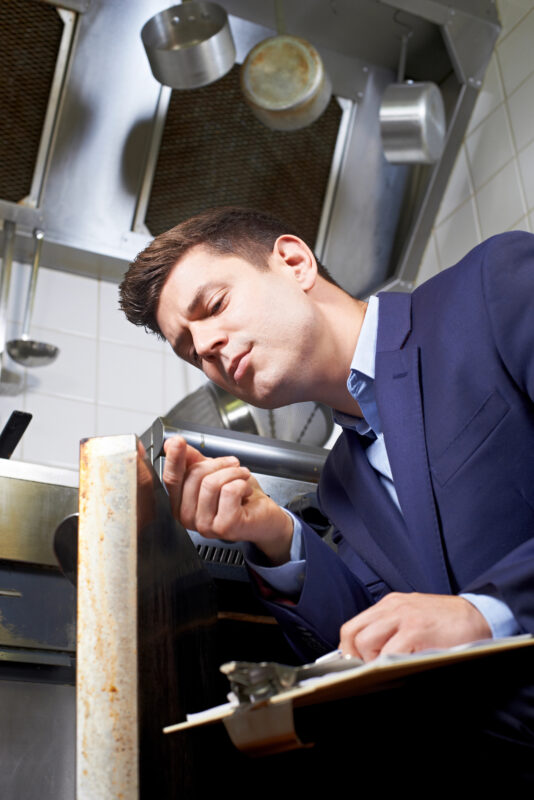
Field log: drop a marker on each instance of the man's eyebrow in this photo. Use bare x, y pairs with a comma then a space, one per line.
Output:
199, 296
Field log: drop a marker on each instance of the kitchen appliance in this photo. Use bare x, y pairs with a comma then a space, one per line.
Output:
37, 634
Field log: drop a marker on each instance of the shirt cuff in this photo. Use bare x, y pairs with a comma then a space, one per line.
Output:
288, 578
496, 613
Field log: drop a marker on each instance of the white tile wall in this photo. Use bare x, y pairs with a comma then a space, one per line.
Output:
457, 234
511, 12
521, 110
490, 95
110, 377
500, 202
489, 147
459, 188
53, 436
66, 302
491, 188
515, 51
526, 169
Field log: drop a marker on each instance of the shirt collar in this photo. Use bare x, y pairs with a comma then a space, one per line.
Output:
363, 360
362, 374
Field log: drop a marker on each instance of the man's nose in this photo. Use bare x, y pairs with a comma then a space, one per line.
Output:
208, 340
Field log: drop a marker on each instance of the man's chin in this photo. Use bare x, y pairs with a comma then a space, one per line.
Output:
251, 395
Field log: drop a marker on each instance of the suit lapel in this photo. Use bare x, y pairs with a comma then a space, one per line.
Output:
398, 395
356, 495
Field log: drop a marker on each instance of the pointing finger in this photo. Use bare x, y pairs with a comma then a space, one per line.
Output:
174, 470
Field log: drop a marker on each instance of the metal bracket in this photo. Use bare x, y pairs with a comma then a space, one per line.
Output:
264, 729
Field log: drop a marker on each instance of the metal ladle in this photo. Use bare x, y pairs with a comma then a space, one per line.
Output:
10, 381
27, 351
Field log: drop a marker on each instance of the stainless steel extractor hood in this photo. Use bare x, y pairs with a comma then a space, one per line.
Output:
93, 165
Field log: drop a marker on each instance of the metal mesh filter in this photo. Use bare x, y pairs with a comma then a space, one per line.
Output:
214, 152
30, 34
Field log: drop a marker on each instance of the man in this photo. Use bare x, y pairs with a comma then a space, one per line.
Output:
430, 485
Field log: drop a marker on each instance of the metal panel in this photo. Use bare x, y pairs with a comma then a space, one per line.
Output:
214, 152
30, 42
106, 115
369, 196
37, 739
34, 499
37, 610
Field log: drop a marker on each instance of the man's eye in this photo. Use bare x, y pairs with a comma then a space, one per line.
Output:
216, 307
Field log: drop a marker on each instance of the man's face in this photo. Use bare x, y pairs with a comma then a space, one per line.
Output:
251, 331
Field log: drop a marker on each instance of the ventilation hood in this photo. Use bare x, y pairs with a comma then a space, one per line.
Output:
104, 115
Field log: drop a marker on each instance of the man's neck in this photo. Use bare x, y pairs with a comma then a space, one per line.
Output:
345, 318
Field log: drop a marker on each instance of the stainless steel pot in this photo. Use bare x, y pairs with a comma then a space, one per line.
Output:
189, 45
284, 82
412, 123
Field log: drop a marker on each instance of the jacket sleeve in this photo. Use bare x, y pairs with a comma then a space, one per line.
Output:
331, 594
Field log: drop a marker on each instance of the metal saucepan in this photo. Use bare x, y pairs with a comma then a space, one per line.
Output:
26, 351
412, 119
412, 123
189, 45
284, 82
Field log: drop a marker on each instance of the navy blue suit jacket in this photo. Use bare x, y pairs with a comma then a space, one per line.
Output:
455, 392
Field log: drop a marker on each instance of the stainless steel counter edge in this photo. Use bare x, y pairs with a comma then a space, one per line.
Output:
39, 473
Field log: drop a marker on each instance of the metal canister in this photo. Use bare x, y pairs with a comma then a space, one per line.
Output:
284, 82
412, 123
189, 45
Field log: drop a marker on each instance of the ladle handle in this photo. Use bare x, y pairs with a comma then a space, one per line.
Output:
402, 59
5, 279
38, 235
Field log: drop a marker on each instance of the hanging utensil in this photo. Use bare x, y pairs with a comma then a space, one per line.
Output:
10, 381
412, 118
284, 81
11, 434
189, 45
26, 351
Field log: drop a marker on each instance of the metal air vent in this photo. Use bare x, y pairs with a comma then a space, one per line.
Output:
31, 36
214, 152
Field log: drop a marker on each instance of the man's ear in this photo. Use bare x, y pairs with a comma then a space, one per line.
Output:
293, 253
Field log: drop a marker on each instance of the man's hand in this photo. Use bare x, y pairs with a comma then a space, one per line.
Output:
406, 623
222, 500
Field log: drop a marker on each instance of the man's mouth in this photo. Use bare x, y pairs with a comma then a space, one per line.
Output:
239, 365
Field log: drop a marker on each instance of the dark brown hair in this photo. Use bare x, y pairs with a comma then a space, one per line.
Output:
225, 231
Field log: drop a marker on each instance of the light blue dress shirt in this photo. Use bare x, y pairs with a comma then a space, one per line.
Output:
288, 578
